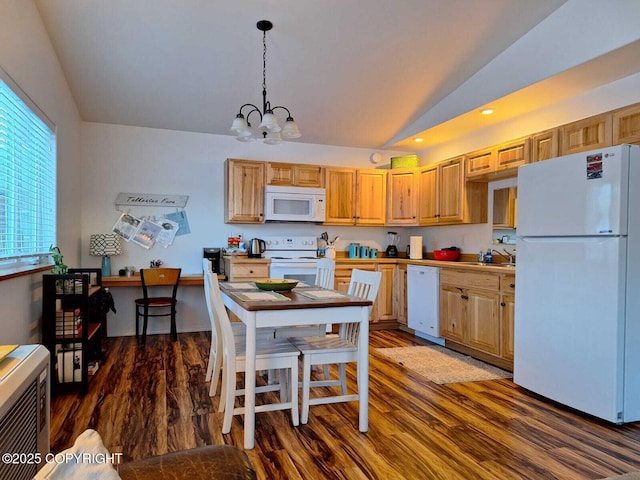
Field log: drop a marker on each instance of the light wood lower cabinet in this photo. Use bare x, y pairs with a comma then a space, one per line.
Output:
507, 313
400, 294
385, 305
240, 269
472, 317
384, 309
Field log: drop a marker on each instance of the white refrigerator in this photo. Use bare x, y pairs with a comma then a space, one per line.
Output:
577, 308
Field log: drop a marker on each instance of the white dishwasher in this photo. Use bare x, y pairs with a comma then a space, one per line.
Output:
423, 302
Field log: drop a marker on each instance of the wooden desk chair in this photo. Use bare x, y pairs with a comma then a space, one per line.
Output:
270, 355
214, 366
343, 349
154, 279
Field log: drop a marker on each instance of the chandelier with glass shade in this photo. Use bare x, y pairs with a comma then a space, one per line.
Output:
270, 130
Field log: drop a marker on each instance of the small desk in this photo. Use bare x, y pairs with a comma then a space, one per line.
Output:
134, 281
257, 314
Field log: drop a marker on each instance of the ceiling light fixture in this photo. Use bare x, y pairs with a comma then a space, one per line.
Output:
418, 140
270, 129
486, 111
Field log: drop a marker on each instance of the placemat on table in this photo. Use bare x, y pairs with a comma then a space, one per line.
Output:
241, 286
322, 294
261, 296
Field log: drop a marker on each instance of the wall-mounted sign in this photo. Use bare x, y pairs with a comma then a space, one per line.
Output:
152, 200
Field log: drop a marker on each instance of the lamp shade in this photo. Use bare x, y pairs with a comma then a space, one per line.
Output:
104, 244
269, 122
290, 129
273, 138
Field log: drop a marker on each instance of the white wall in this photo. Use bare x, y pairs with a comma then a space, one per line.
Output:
119, 159
27, 55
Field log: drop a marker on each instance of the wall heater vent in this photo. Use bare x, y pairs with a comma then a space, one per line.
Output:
24, 410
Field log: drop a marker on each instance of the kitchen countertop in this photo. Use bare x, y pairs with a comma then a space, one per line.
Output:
463, 264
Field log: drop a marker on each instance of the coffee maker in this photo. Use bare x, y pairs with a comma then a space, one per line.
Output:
214, 255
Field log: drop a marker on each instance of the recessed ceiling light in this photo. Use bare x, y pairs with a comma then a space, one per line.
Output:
486, 111
418, 140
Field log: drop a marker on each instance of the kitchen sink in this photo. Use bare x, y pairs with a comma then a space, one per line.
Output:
502, 265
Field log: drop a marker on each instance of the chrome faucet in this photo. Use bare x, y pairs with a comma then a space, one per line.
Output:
510, 257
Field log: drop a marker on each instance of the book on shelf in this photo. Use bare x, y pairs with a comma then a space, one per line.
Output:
69, 332
68, 322
92, 368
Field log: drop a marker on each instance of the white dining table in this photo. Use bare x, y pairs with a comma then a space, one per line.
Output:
298, 309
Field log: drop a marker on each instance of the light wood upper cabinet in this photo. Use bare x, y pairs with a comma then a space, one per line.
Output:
504, 207
480, 163
452, 190
294, 174
626, 125
428, 194
509, 156
341, 196
499, 161
544, 145
588, 134
402, 197
244, 191
371, 197
445, 198
355, 196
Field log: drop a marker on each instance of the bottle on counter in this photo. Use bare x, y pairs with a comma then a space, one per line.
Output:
488, 257
481, 256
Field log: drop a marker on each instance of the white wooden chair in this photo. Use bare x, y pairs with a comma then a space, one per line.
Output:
343, 349
270, 354
215, 352
325, 278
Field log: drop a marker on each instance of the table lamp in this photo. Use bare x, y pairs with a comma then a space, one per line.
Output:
105, 245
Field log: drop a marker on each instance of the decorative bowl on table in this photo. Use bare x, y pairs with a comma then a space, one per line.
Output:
447, 254
276, 284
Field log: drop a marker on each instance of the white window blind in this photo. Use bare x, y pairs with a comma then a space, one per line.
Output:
27, 175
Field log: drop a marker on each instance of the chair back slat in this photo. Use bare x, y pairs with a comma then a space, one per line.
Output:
219, 316
364, 284
326, 273
216, 337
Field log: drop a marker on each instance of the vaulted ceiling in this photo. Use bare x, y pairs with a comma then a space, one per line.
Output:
364, 73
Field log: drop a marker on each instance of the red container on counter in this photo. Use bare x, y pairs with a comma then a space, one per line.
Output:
448, 255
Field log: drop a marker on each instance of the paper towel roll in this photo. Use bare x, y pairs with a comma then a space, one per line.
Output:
415, 251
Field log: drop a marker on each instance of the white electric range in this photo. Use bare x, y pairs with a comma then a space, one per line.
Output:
292, 257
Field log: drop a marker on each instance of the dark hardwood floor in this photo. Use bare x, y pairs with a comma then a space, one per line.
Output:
152, 400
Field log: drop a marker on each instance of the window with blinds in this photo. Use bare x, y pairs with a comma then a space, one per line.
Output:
27, 176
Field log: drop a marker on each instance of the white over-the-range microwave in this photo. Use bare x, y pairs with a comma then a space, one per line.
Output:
294, 204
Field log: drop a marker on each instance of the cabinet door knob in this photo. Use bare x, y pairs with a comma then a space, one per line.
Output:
502, 304
512, 285
464, 297
250, 271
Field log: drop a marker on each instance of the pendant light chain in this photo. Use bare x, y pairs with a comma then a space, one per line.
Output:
269, 130
264, 71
